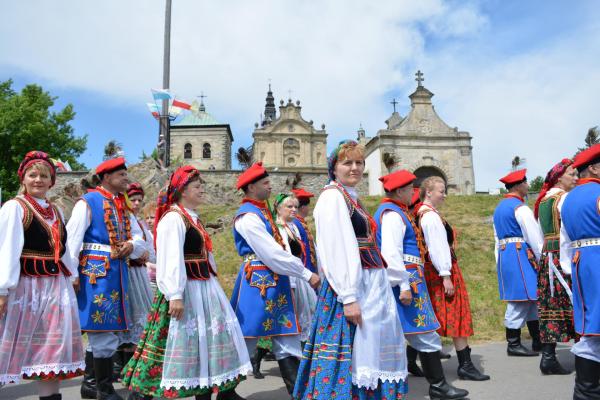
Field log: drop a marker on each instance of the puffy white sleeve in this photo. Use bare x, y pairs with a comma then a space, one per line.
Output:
67, 257
170, 263
137, 238
532, 233
393, 230
437, 242
253, 230
338, 253
566, 253
78, 223
12, 238
286, 242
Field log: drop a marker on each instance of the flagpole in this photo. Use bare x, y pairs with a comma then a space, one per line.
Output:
165, 130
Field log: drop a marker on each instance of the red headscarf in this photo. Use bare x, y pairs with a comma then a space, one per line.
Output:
551, 179
34, 157
134, 189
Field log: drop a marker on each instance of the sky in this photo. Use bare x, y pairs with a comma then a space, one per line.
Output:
521, 76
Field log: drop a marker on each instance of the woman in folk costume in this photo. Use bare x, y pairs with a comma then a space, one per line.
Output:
192, 344
555, 309
286, 208
444, 278
310, 257
356, 345
40, 335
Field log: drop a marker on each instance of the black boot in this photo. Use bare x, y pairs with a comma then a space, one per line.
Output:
515, 348
534, 332
411, 358
466, 370
104, 374
587, 379
118, 365
439, 388
205, 396
445, 356
55, 396
139, 396
88, 386
549, 364
289, 369
255, 360
229, 395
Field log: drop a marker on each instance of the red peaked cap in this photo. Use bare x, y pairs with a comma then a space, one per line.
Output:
251, 175
135, 188
397, 179
302, 194
514, 177
111, 165
587, 156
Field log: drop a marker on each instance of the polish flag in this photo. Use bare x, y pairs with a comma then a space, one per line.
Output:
181, 104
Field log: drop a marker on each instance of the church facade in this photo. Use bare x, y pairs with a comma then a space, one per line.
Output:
422, 143
287, 142
200, 140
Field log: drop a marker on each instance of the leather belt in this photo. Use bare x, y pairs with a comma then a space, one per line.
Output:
97, 246
511, 240
412, 259
575, 244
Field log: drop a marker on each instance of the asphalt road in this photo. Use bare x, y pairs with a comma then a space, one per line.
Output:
511, 378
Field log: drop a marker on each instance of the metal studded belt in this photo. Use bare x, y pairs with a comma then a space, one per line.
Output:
250, 257
412, 259
511, 240
575, 244
97, 247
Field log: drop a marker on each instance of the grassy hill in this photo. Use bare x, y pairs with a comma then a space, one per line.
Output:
469, 215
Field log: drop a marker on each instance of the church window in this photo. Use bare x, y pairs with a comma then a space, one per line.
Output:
291, 144
187, 150
206, 153
291, 161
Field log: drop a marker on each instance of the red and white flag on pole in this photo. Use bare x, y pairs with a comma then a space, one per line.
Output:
181, 104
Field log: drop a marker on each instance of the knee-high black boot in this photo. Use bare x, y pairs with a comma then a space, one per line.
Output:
289, 369
549, 364
439, 388
256, 360
104, 375
411, 358
587, 379
534, 331
466, 369
228, 395
88, 385
515, 348
55, 396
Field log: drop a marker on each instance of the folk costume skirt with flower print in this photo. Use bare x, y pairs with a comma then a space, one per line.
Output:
555, 310
452, 312
203, 352
139, 296
40, 335
325, 370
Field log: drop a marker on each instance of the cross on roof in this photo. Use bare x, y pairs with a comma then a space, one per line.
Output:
202, 97
394, 102
419, 78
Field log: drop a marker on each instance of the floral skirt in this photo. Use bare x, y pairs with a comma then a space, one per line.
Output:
452, 312
555, 312
40, 335
325, 370
203, 352
140, 296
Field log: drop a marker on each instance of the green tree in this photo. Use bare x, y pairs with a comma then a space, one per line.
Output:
536, 184
28, 123
591, 138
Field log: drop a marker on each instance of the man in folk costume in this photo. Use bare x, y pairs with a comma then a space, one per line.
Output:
519, 242
310, 255
101, 237
402, 248
580, 238
262, 297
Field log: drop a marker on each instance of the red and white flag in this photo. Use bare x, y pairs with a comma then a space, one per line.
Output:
181, 104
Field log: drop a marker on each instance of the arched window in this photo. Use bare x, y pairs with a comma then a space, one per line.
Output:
187, 150
206, 150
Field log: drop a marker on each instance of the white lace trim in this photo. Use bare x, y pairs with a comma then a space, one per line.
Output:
369, 378
46, 369
190, 383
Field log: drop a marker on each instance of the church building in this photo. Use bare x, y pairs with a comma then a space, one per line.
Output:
200, 140
287, 142
422, 143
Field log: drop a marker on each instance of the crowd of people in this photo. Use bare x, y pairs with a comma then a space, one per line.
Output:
346, 311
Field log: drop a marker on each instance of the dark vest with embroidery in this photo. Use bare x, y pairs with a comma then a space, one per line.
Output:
37, 256
195, 254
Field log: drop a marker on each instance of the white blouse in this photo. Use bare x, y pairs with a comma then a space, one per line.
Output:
338, 254
149, 241
436, 239
393, 230
285, 237
266, 248
12, 239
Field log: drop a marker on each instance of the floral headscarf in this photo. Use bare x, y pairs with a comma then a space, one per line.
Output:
551, 179
34, 157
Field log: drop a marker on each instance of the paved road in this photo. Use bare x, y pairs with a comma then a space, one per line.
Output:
512, 378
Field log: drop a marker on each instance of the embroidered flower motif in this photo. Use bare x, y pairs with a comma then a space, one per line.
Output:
191, 328
114, 296
268, 324
97, 317
281, 300
269, 305
420, 320
285, 321
99, 299
420, 303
